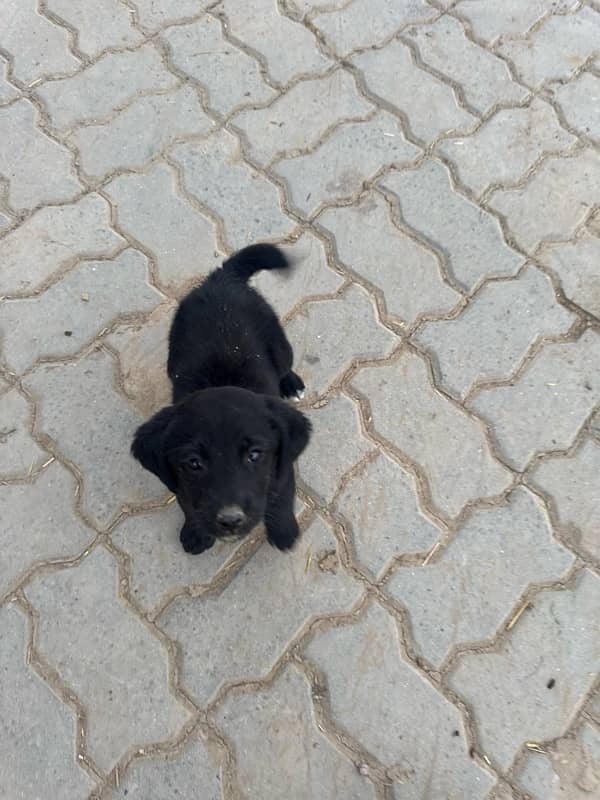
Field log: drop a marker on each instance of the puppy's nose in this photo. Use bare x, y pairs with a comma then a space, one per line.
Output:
231, 517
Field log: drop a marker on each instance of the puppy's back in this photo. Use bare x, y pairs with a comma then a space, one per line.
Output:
221, 331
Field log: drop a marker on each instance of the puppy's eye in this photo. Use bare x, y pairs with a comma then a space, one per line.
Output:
194, 463
254, 455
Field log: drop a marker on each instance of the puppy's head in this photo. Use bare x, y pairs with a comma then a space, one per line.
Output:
221, 451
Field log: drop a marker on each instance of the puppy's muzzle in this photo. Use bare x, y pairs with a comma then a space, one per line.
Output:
231, 519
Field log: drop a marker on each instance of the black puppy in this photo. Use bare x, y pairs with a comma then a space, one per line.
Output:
227, 446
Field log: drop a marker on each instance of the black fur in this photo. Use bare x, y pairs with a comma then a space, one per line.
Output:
227, 445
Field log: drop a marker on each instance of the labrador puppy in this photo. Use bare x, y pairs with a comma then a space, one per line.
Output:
227, 445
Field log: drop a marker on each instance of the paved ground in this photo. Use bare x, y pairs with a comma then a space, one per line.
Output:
436, 166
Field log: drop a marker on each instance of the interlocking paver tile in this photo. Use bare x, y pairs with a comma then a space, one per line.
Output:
449, 447
470, 239
37, 736
277, 726
260, 619
580, 102
230, 76
140, 132
310, 276
53, 238
349, 30
110, 83
330, 334
143, 352
288, 48
38, 523
557, 49
38, 168
368, 242
323, 469
385, 524
428, 103
118, 669
75, 309
507, 688
248, 204
576, 265
299, 119
99, 25
506, 146
510, 18
149, 208
37, 46
545, 408
571, 769
484, 78
8, 92
154, 14
99, 443
19, 454
158, 564
491, 337
574, 487
338, 169
466, 594
191, 771
555, 200
381, 701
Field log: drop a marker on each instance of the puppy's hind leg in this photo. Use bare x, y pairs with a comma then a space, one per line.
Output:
280, 522
282, 357
291, 385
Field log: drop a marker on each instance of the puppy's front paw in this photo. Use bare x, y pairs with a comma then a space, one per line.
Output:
194, 541
292, 385
283, 536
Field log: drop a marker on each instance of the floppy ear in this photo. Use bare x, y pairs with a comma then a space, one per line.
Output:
294, 432
148, 446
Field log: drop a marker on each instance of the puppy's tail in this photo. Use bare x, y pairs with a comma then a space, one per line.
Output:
254, 258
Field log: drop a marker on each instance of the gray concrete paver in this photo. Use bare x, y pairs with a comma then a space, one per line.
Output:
38, 169
229, 76
299, 119
140, 132
381, 700
448, 447
466, 593
429, 104
490, 339
557, 49
339, 168
511, 688
469, 239
36, 740
575, 263
435, 631
120, 669
483, 78
544, 409
372, 245
506, 146
277, 726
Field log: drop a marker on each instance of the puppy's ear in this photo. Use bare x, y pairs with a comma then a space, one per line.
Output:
148, 446
294, 432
